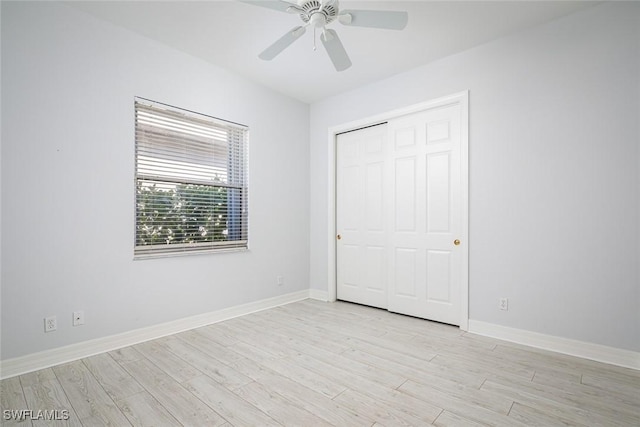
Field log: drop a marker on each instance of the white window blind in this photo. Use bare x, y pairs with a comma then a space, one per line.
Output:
191, 181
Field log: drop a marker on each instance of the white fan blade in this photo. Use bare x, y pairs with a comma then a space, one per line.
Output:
282, 43
336, 51
281, 5
386, 19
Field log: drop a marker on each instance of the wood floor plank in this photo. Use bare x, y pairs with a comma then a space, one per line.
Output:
388, 415
398, 353
234, 360
232, 407
265, 340
158, 353
125, 354
421, 372
245, 336
388, 321
534, 417
179, 402
381, 376
459, 343
478, 409
579, 388
46, 394
307, 326
309, 378
314, 402
540, 363
552, 376
468, 393
356, 326
206, 364
114, 379
622, 386
352, 337
548, 405
604, 403
312, 336
217, 334
449, 419
12, 399
88, 398
254, 351
32, 378
562, 363
279, 345
468, 364
370, 388
278, 407
413, 348
142, 410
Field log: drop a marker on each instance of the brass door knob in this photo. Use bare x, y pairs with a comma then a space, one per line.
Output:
338, 237
456, 242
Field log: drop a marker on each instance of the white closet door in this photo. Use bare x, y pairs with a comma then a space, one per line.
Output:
399, 215
425, 215
361, 202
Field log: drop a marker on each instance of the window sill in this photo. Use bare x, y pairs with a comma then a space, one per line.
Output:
140, 257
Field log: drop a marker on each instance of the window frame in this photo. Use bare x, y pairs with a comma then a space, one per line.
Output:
235, 183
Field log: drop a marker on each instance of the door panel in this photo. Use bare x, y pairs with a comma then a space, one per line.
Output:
427, 184
405, 194
438, 193
350, 265
439, 276
374, 203
404, 269
404, 137
374, 271
361, 252
438, 131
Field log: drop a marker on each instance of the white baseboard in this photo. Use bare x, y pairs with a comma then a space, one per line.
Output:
319, 295
44, 359
586, 350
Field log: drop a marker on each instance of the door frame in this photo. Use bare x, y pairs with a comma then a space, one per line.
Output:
461, 98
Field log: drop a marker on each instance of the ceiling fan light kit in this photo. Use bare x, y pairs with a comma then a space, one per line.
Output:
320, 13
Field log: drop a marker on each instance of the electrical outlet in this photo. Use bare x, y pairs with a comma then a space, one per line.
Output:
50, 324
504, 304
78, 318
280, 280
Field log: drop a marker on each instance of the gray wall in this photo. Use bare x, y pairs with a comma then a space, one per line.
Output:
68, 84
554, 185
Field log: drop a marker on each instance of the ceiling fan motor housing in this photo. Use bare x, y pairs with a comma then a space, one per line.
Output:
317, 15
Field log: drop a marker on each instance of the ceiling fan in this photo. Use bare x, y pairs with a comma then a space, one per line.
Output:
320, 13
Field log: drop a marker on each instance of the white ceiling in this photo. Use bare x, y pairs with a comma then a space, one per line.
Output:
230, 34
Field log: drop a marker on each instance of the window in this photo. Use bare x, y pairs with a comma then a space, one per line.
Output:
191, 181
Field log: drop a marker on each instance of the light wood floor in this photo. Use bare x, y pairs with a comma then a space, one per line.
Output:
316, 364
